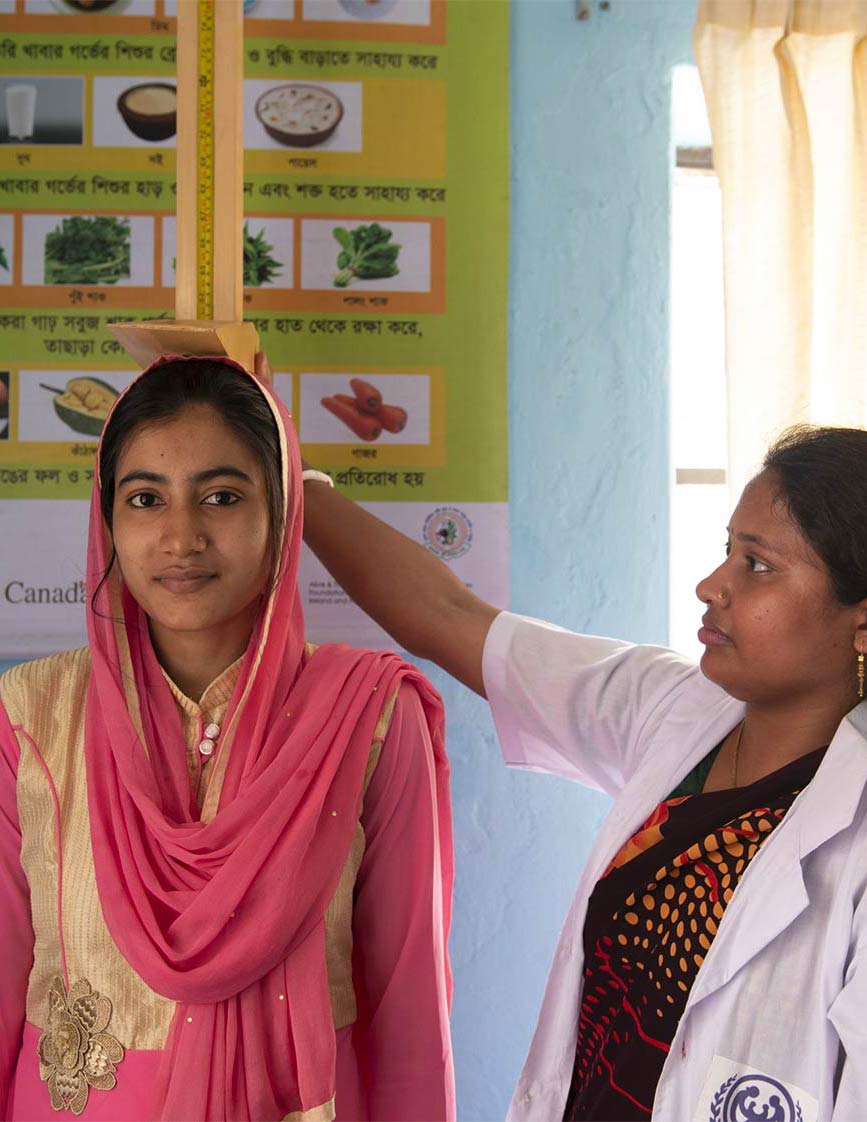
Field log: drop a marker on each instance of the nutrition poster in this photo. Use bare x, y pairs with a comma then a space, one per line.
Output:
375, 268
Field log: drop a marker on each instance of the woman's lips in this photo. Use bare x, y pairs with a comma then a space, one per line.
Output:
713, 637
182, 582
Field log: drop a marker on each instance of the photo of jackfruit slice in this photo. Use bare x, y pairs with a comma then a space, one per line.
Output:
84, 405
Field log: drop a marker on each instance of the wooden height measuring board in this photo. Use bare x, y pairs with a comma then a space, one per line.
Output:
209, 267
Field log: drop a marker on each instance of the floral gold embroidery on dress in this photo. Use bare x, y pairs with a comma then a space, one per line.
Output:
75, 1051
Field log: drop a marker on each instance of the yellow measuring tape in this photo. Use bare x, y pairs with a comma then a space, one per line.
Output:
205, 162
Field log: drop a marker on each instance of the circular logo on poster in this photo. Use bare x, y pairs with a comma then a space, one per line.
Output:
448, 533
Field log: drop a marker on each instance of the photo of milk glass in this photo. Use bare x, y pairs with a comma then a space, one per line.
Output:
20, 111
41, 110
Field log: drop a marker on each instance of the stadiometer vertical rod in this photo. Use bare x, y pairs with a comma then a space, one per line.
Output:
209, 262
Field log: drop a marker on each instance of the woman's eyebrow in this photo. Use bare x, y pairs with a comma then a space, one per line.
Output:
216, 472
762, 543
141, 476
224, 470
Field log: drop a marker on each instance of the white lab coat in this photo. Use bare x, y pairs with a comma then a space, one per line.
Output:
778, 1011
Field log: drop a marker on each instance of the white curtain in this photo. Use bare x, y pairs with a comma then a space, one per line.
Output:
785, 83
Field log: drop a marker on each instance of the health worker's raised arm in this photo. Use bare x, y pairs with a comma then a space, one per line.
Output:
411, 594
414, 596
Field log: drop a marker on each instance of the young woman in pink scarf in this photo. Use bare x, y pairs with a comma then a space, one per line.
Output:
225, 855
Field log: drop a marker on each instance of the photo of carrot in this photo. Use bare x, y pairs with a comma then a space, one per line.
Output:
362, 424
369, 399
392, 418
365, 413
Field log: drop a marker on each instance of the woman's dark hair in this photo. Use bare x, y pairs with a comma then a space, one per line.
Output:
822, 479
171, 388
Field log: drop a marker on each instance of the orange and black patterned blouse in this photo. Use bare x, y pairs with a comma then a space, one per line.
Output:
650, 922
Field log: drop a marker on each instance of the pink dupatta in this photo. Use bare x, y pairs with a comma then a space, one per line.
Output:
224, 912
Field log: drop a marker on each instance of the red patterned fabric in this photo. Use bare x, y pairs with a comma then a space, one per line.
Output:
650, 922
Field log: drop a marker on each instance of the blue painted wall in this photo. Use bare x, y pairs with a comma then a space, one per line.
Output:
588, 328
588, 345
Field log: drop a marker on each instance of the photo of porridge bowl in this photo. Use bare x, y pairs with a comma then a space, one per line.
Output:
299, 114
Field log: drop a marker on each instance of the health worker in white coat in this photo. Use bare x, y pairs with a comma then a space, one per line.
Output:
713, 965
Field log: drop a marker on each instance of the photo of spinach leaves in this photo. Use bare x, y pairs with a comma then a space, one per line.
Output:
367, 252
85, 250
259, 266
4, 262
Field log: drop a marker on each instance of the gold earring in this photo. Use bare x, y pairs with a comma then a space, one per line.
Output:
860, 675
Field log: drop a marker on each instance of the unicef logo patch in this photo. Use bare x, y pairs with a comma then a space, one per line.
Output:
448, 533
754, 1098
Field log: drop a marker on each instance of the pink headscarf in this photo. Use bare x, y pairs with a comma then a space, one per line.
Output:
224, 912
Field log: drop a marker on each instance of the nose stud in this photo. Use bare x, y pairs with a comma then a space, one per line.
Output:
722, 594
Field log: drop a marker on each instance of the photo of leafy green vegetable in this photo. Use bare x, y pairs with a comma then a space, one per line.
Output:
367, 252
4, 263
85, 250
259, 266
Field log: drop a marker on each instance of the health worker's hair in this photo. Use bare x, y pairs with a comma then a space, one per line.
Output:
821, 476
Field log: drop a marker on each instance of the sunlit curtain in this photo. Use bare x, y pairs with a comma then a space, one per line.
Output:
785, 83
